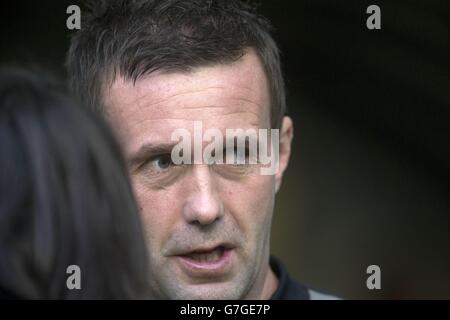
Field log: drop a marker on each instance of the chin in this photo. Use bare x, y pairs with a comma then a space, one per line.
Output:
209, 292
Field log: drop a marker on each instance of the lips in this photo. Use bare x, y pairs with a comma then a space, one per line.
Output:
206, 256
215, 261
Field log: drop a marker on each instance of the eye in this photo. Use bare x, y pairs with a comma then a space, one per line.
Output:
160, 163
234, 151
159, 171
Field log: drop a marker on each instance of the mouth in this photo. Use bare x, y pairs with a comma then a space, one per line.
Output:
206, 256
213, 261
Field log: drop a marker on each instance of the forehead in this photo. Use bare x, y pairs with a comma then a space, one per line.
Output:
233, 95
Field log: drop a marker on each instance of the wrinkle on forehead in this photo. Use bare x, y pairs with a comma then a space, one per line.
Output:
252, 121
145, 97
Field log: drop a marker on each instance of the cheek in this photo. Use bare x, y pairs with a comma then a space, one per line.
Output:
158, 213
251, 205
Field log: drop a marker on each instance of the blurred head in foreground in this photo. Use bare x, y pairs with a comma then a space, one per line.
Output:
64, 199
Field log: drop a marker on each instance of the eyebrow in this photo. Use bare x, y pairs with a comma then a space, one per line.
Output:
147, 151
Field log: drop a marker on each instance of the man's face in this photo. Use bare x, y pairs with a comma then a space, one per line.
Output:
207, 226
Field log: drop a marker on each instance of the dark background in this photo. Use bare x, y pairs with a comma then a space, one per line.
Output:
369, 179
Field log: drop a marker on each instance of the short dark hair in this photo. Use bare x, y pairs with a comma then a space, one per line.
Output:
137, 37
64, 198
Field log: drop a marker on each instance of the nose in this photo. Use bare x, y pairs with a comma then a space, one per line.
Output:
203, 205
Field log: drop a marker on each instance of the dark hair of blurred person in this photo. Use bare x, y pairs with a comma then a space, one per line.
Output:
64, 198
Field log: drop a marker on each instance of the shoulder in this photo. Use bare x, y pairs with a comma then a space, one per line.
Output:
290, 289
316, 295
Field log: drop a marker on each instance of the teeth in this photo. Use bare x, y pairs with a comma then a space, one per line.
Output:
207, 257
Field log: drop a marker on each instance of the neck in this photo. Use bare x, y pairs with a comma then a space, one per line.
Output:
265, 287
270, 285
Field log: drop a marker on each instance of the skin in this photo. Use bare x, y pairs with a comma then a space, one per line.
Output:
188, 207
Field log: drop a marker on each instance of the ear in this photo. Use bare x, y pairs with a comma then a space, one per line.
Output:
286, 136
